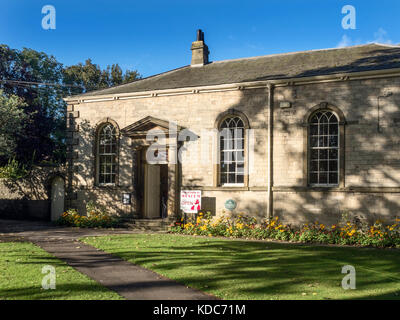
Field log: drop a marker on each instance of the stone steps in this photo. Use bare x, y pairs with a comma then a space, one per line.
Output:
152, 225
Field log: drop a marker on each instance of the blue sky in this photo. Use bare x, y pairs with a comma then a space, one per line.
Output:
155, 36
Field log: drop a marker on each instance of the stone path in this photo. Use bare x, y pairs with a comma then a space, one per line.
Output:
127, 279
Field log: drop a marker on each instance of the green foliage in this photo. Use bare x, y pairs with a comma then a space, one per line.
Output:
13, 170
12, 122
22, 72
95, 218
89, 76
39, 82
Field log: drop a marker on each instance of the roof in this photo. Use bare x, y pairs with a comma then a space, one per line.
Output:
271, 67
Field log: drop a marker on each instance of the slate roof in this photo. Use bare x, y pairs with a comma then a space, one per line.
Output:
278, 66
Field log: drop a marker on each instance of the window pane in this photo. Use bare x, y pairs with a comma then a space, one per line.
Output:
333, 141
323, 154
333, 153
333, 129
333, 165
314, 141
224, 167
223, 178
314, 153
314, 165
321, 141
324, 129
323, 178
314, 178
313, 129
323, 166
333, 178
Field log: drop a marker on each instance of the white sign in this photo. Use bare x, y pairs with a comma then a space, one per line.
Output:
190, 201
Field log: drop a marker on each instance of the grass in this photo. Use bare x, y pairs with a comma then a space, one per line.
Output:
21, 276
235, 269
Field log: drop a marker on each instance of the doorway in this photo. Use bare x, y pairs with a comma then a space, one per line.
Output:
153, 189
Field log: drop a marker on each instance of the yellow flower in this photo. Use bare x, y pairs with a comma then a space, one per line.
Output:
351, 232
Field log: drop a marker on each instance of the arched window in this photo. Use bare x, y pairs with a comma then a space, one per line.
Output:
107, 154
232, 151
324, 148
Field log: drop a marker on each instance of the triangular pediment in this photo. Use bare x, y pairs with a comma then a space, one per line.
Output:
141, 127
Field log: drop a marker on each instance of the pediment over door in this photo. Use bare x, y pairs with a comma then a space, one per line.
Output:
139, 129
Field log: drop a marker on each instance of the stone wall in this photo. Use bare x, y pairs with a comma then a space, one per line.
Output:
28, 198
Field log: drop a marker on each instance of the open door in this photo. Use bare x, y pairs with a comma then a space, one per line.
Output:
152, 191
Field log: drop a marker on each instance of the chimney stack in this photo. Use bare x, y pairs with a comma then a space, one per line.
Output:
199, 51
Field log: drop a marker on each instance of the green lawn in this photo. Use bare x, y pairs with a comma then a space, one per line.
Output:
21, 276
234, 269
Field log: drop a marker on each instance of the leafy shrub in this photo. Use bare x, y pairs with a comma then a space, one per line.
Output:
13, 170
95, 218
344, 233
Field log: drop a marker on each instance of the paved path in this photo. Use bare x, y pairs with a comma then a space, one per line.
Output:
127, 279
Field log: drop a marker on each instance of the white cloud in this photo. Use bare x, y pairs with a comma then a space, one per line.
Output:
380, 36
344, 42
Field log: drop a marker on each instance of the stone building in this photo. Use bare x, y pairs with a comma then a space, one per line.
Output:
315, 135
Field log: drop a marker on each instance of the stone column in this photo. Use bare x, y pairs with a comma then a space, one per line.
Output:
173, 181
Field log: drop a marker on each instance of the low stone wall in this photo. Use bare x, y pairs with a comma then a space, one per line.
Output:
29, 198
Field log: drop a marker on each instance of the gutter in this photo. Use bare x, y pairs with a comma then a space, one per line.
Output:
269, 148
338, 77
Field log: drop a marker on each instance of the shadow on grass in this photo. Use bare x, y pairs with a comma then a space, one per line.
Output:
245, 269
68, 291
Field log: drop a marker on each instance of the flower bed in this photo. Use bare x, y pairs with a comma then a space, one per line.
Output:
95, 218
346, 233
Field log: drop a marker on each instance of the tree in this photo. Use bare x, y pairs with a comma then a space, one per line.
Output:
41, 82
22, 73
12, 122
89, 76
